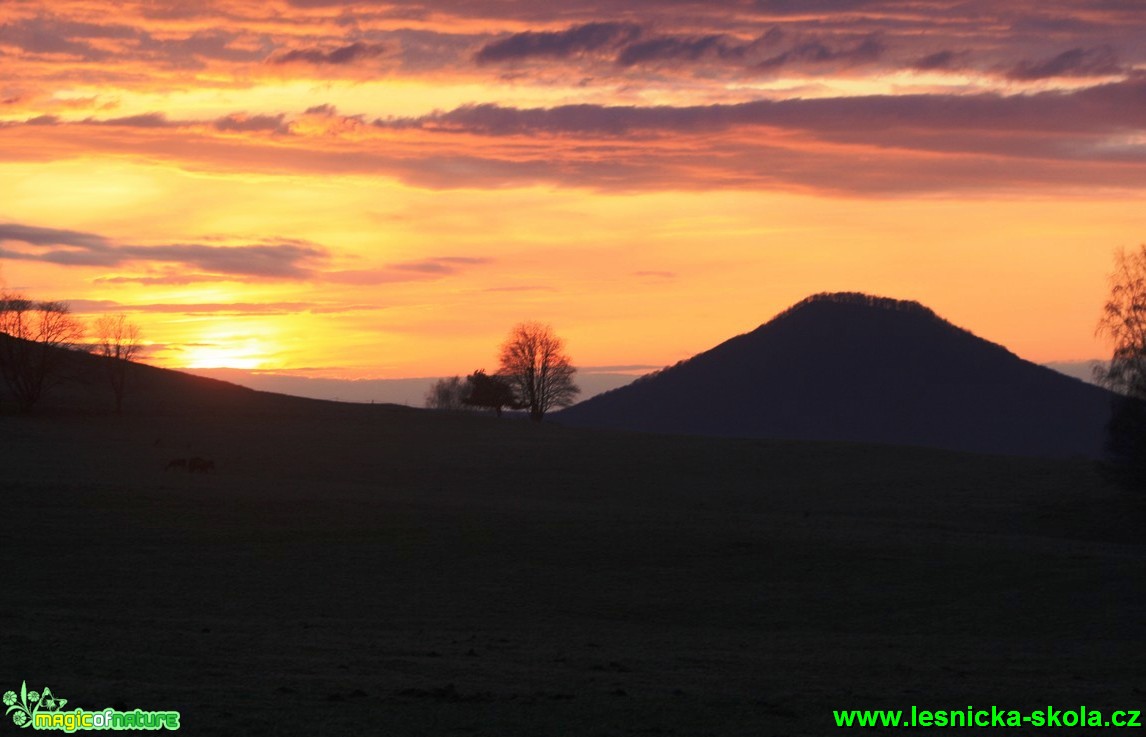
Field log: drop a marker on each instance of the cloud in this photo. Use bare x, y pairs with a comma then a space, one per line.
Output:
111, 42
89, 306
283, 260
145, 120
1095, 62
342, 55
241, 122
1055, 24
446, 265
941, 60
666, 48
815, 51
813, 7
42, 35
37, 236
224, 308
431, 268
559, 44
860, 145
1093, 110
177, 278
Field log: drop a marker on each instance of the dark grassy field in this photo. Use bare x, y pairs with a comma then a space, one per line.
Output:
372, 570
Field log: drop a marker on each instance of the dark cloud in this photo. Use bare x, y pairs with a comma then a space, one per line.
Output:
241, 122
88, 306
341, 55
559, 44
1095, 62
695, 48
146, 120
984, 141
681, 48
284, 260
37, 236
941, 60
178, 9
633, 47
1055, 24
1105, 108
815, 52
213, 44
45, 35
56, 35
809, 7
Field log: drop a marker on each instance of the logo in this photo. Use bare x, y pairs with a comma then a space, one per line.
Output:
44, 710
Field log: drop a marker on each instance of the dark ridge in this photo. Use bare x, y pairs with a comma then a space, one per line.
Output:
81, 387
854, 367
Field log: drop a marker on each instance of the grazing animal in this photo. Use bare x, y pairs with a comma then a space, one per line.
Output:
200, 465
176, 463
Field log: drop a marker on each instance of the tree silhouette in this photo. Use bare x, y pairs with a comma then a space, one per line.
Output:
1124, 323
118, 341
490, 392
534, 363
447, 394
32, 356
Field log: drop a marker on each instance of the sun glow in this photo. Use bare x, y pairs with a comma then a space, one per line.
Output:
236, 353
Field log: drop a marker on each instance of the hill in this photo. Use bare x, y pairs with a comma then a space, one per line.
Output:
80, 385
852, 367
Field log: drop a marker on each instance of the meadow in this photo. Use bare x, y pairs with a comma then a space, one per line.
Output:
356, 569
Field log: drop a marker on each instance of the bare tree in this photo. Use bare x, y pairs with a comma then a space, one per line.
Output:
447, 394
32, 356
1124, 323
118, 341
534, 363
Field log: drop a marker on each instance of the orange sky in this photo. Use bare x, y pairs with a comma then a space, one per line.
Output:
382, 189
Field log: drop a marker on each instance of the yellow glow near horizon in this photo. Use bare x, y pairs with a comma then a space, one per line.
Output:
205, 358
627, 279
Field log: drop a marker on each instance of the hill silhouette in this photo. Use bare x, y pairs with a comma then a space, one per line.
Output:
852, 367
81, 386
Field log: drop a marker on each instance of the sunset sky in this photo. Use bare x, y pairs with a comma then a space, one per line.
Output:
383, 188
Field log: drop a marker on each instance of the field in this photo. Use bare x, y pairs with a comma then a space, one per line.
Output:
376, 570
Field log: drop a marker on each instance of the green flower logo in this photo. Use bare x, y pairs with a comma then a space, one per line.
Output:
27, 704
